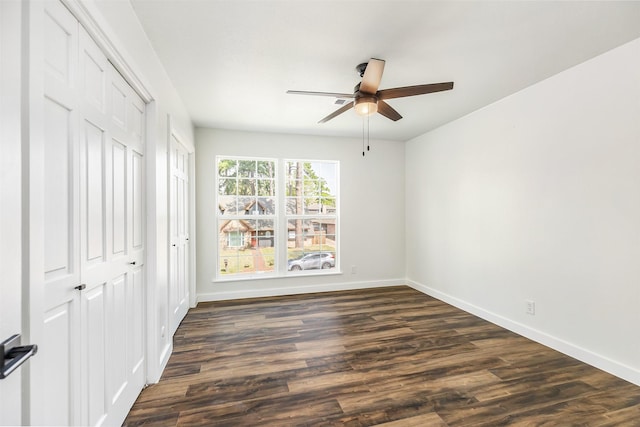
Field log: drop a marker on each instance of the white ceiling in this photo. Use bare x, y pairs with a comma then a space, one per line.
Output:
232, 61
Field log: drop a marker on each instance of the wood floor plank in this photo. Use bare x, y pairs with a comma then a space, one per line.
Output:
431, 419
386, 356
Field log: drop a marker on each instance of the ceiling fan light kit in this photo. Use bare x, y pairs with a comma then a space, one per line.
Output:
366, 105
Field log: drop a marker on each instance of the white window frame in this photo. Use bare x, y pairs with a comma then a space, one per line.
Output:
309, 217
280, 220
240, 215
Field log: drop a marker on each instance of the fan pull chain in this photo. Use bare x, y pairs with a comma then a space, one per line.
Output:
363, 137
368, 117
367, 133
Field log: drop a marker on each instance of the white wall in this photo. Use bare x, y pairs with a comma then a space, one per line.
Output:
11, 28
537, 197
118, 20
371, 206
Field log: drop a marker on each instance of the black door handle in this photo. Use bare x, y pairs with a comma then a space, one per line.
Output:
14, 355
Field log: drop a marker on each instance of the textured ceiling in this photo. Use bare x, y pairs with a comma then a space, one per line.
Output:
232, 61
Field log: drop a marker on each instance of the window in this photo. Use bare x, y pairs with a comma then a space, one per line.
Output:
246, 215
311, 214
276, 223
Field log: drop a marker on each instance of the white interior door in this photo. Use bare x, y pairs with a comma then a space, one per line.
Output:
179, 232
124, 202
93, 231
61, 239
96, 258
10, 203
112, 238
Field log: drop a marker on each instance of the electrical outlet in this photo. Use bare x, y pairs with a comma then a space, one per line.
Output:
531, 307
354, 270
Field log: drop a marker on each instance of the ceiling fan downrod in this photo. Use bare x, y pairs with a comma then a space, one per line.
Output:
360, 68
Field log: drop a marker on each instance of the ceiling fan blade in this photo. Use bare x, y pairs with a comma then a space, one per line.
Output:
333, 94
400, 92
388, 111
339, 111
372, 76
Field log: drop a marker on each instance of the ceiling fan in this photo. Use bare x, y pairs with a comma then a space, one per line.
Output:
367, 99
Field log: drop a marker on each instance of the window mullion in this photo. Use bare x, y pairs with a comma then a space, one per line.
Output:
281, 213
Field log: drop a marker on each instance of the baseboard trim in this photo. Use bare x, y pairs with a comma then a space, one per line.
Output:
166, 353
309, 289
601, 362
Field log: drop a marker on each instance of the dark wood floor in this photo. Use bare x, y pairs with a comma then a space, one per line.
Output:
388, 356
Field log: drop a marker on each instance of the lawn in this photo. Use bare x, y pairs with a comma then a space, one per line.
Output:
233, 261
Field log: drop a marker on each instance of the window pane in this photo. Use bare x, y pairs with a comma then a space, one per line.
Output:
232, 232
316, 182
310, 236
227, 186
312, 206
235, 239
266, 187
294, 205
227, 205
227, 167
247, 187
266, 169
310, 187
294, 187
258, 206
245, 204
328, 205
267, 205
246, 246
312, 261
247, 168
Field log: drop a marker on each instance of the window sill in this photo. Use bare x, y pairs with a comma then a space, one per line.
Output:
267, 276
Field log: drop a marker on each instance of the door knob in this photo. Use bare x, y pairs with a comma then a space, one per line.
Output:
132, 263
80, 287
